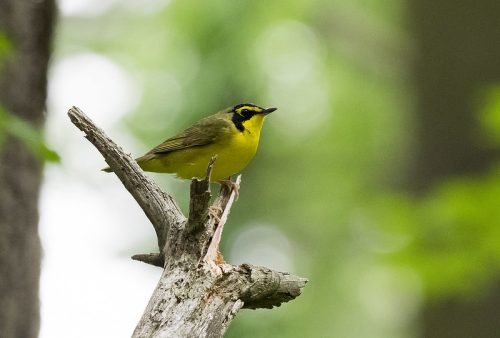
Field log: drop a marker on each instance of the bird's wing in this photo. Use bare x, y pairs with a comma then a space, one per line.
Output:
203, 132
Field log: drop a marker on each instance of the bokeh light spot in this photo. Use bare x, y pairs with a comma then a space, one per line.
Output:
262, 244
94, 83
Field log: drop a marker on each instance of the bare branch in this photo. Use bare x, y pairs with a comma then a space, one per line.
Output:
155, 259
200, 200
224, 203
198, 294
266, 288
158, 206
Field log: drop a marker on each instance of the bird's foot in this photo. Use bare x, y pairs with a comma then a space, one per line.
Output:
214, 212
232, 186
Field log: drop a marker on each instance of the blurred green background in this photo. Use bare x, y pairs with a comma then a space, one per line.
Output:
377, 178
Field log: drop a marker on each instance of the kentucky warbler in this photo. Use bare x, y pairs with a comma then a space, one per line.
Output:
231, 134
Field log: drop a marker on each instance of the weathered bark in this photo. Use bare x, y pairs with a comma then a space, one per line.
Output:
27, 28
198, 294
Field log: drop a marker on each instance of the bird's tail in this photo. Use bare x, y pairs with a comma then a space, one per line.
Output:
140, 161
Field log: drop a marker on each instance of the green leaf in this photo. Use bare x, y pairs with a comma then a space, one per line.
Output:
490, 113
30, 135
5, 45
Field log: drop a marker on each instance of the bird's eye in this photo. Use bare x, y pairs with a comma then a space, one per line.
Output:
247, 114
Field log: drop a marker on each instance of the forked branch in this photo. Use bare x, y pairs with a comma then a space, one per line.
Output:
198, 293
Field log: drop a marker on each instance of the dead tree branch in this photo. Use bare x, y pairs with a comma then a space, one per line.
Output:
198, 294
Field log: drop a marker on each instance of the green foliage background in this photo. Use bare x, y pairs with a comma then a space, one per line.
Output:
337, 71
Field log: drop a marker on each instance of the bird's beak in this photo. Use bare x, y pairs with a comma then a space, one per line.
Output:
268, 110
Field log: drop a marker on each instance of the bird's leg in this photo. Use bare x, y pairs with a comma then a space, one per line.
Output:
231, 186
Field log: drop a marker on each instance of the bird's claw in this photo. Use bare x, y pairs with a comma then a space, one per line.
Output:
215, 211
232, 186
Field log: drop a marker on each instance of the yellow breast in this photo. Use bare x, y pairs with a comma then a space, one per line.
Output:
234, 151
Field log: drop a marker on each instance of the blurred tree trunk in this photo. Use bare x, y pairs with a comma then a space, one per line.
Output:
25, 36
459, 54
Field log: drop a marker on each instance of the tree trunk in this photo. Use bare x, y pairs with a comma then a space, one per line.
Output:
25, 31
459, 55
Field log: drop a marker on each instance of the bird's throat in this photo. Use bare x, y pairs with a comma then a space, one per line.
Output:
253, 125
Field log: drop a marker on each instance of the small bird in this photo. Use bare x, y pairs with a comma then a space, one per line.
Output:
231, 134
